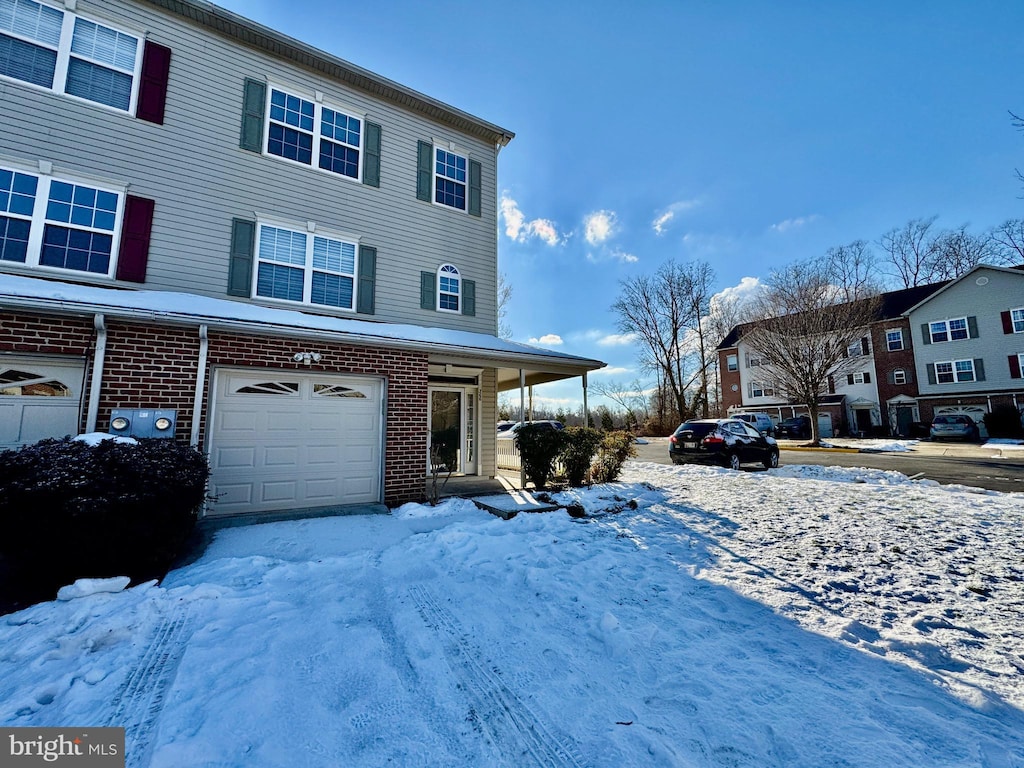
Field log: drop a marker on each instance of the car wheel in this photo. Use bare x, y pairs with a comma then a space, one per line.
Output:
676, 461
772, 461
734, 461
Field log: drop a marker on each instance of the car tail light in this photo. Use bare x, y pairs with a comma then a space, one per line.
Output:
673, 439
713, 440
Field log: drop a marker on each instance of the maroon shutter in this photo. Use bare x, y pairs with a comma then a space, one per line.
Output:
1007, 322
135, 229
1014, 367
156, 66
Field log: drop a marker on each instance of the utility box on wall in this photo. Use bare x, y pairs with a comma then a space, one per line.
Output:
143, 422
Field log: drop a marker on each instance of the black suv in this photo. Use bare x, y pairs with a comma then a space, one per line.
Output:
728, 442
798, 427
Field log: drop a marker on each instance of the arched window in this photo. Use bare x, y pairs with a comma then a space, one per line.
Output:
449, 289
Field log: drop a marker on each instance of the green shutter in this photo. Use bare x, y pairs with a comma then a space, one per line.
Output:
867, 377
475, 188
926, 334
972, 327
428, 290
254, 105
931, 373
243, 241
424, 162
367, 279
469, 297
371, 155
979, 369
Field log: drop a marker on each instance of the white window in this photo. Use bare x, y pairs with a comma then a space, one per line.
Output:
762, 389
754, 361
449, 289
450, 178
63, 52
950, 371
48, 222
948, 330
894, 340
899, 376
1017, 319
312, 133
855, 350
732, 363
860, 377
305, 268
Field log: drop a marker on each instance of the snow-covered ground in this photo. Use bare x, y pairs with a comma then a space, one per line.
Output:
801, 617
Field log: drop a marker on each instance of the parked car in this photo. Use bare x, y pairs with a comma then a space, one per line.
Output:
762, 422
728, 442
796, 427
956, 426
511, 430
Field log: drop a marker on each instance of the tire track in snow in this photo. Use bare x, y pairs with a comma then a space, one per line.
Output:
514, 728
140, 700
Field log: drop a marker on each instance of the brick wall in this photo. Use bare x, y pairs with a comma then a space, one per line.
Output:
155, 366
730, 397
886, 362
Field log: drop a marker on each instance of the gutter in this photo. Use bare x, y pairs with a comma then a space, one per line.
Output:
572, 366
96, 382
197, 401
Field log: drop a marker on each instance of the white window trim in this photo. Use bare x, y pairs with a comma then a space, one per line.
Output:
450, 148
888, 341
60, 72
318, 106
459, 296
856, 349
37, 223
858, 378
732, 363
1013, 322
311, 231
949, 333
956, 378
899, 376
762, 389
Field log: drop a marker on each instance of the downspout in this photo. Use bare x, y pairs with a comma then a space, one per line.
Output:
197, 401
96, 383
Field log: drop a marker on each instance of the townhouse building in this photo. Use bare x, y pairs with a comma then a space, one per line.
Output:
289, 259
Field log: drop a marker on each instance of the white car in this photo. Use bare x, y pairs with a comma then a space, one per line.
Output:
762, 422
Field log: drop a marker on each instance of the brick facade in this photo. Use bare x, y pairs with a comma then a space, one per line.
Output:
150, 365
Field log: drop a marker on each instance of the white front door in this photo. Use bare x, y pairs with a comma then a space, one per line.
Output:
40, 397
285, 440
453, 426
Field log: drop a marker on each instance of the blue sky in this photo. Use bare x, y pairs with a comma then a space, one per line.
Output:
745, 134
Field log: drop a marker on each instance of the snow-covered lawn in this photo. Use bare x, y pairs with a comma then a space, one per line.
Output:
802, 617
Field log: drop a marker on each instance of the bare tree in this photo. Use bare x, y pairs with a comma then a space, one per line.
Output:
956, 251
804, 331
1008, 240
1018, 122
504, 297
660, 311
910, 249
632, 398
853, 269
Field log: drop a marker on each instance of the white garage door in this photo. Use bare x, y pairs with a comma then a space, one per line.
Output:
282, 440
976, 412
39, 398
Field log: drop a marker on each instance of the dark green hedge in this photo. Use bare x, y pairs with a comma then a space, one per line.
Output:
70, 510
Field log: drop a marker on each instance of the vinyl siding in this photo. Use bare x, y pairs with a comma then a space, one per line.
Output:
193, 168
966, 298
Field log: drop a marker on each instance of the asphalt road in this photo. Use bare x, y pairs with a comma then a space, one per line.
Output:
977, 470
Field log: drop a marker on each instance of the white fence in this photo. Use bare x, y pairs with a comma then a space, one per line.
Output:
508, 457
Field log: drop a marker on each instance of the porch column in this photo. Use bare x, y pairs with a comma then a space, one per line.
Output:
522, 418
586, 409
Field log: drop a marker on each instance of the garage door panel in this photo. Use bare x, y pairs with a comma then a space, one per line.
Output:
235, 457
299, 448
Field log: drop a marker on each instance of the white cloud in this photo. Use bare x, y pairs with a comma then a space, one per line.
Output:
746, 288
610, 371
797, 223
660, 224
549, 339
617, 339
519, 229
599, 226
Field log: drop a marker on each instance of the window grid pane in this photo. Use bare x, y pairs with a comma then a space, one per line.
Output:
939, 332
289, 143
1017, 316
95, 83
27, 62
278, 282
449, 301
291, 110
894, 340
282, 246
332, 290
14, 239
76, 249
104, 45
17, 192
81, 206
944, 372
334, 256
339, 159
339, 127
450, 179
958, 329
965, 370
32, 20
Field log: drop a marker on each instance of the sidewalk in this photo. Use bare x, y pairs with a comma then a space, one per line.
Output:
986, 450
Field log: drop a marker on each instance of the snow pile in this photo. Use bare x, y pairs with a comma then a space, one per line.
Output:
684, 616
